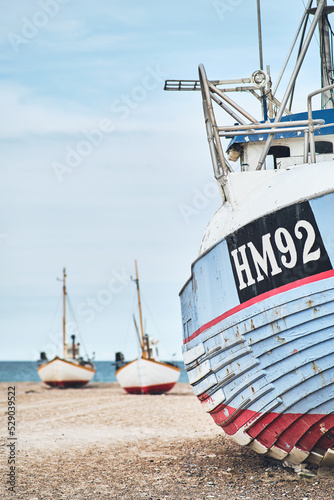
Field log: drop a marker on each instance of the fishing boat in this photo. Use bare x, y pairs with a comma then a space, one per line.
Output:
146, 374
258, 309
71, 370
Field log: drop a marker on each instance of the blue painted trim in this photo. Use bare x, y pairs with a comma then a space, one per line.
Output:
323, 114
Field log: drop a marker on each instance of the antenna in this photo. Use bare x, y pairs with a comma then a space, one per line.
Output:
259, 33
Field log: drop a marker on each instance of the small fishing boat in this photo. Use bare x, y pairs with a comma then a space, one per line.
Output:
258, 309
71, 370
146, 374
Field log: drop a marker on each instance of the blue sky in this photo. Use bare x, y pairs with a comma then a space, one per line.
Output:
100, 166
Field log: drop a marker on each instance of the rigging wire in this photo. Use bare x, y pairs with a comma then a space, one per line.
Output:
77, 327
315, 36
322, 52
306, 11
56, 313
133, 308
161, 338
299, 51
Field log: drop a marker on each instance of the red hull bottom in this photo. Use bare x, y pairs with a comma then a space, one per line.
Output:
285, 431
150, 389
67, 383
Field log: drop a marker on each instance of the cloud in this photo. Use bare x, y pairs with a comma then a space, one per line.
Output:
27, 114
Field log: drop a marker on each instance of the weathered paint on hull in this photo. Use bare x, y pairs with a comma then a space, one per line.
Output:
143, 376
259, 341
64, 373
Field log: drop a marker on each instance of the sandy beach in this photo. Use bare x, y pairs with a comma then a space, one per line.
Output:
100, 443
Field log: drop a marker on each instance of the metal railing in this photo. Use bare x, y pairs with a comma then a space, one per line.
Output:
210, 93
309, 137
214, 132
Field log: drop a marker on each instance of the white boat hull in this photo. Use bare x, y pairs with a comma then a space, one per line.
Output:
146, 376
65, 373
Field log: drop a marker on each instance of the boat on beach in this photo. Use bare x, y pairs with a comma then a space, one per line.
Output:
258, 309
146, 374
71, 370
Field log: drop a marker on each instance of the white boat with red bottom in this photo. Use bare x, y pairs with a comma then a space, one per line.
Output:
71, 370
146, 374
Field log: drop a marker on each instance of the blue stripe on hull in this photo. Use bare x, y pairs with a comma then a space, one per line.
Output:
288, 352
273, 357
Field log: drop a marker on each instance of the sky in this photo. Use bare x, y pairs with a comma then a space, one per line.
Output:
101, 167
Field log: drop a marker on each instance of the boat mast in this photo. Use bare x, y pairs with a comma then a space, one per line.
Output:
259, 33
144, 350
326, 58
263, 92
64, 313
294, 75
137, 331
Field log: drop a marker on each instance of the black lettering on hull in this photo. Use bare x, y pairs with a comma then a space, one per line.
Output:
277, 249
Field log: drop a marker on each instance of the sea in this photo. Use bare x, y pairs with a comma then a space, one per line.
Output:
26, 371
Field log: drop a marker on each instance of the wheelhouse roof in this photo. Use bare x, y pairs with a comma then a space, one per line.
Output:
325, 114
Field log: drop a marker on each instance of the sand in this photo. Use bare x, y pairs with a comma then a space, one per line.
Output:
100, 443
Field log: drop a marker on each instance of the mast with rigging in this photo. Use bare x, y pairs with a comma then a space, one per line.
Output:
145, 351
64, 313
70, 370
